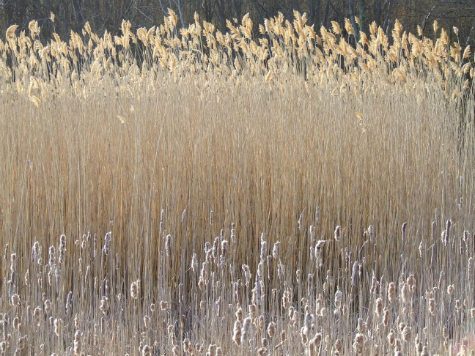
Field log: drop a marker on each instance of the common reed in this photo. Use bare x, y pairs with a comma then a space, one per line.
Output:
188, 192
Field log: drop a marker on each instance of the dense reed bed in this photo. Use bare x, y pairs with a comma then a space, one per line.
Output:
265, 191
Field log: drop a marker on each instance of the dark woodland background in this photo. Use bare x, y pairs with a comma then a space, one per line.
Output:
108, 14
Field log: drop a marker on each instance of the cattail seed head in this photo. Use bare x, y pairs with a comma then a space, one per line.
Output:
237, 332
385, 317
134, 289
37, 315
406, 334
391, 338
271, 329
22, 343
104, 305
432, 304
77, 343
405, 293
15, 300
147, 350
379, 307
245, 330
47, 306
358, 343
361, 326
337, 234
391, 292
239, 314
304, 335
168, 244
275, 250
146, 321
262, 351
58, 326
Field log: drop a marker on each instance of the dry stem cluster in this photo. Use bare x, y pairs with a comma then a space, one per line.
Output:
192, 192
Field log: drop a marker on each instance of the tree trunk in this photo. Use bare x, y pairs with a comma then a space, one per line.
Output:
315, 12
222, 16
378, 11
388, 16
327, 13
362, 15
352, 17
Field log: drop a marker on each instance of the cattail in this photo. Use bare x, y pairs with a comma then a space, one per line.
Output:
168, 243
391, 292
146, 321
361, 326
16, 323
69, 301
262, 351
147, 351
47, 306
374, 284
406, 334
271, 329
337, 233
77, 343
450, 289
403, 231
58, 326
245, 330
431, 303
265, 342
443, 237
358, 343
314, 344
37, 315
247, 274
354, 273
311, 231
385, 317
211, 350
134, 289
425, 351
224, 247
379, 307
338, 345
252, 311
239, 314
21, 342
286, 299
391, 338
104, 305
275, 250
15, 300
411, 281
107, 242
405, 293
304, 335
237, 332
13, 262
194, 263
